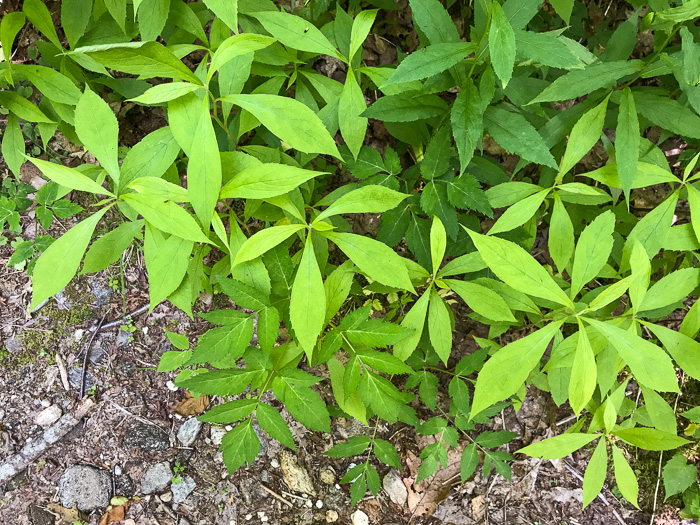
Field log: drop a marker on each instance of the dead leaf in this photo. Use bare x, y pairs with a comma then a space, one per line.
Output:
478, 508
189, 406
424, 497
66, 516
114, 514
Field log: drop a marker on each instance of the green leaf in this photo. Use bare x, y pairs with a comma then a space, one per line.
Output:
166, 216
40, 17
204, 169
467, 119
179, 341
386, 453
165, 92
265, 240
559, 446
547, 49
468, 462
430, 61
236, 46
653, 229
583, 373
580, 82
691, 57
414, 320
13, 147
308, 408
594, 477
224, 344
273, 423
518, 269
670, 289
58, 264
307, 307
244, 295
51, 83
149, 158
379, 334
625, 477
361, 27
693, 202
146, 59
75, 16
434, 21
173, 360
354, 446
627, 141
22, 108
229, 412
117, 8
160, 189
266, 180
68, 177
406, 108
583, 137
507, 370
239, 446
563, 8
561, 235
108, 248
465, 192
373, 391
501, 44
434, 201
290, 120
592, 251
684, 350
351, 105
659, 411
373, 258
482, 300
268, 327
436, 160
98, 130
226, 10
650, 438
10, 24
297, 33
519, 213
678, 475
514, 133
152, 14
649, 364
668, 114
337, 286
438, 243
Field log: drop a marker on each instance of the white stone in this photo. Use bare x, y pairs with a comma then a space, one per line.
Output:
331, 516
188, 431
48, 416
274, 463
359, 518
393, 484
319, 504
171, 386
217, 434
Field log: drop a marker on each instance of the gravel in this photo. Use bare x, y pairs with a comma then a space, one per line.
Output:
157, 478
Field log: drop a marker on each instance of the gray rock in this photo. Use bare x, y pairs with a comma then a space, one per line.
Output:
75, 377
48, 416
157, 478
33, 447
147, 437
263, 440
183, 489
217, 434
14, 345
98, 355
393, 484
123, 337
99, 290
85, 486
188, 431
124, 486
183, 455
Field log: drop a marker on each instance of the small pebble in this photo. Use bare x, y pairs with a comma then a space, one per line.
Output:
319, 504
45, 403
228, 428
308, 504
331, 516
274, 463
248, 517
360, 518
171, 386
167, 497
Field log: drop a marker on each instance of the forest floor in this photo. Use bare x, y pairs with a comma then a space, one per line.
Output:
132, 419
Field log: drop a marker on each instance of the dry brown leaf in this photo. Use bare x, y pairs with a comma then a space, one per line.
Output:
189, 406
115, 514
66, 516
424, 497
